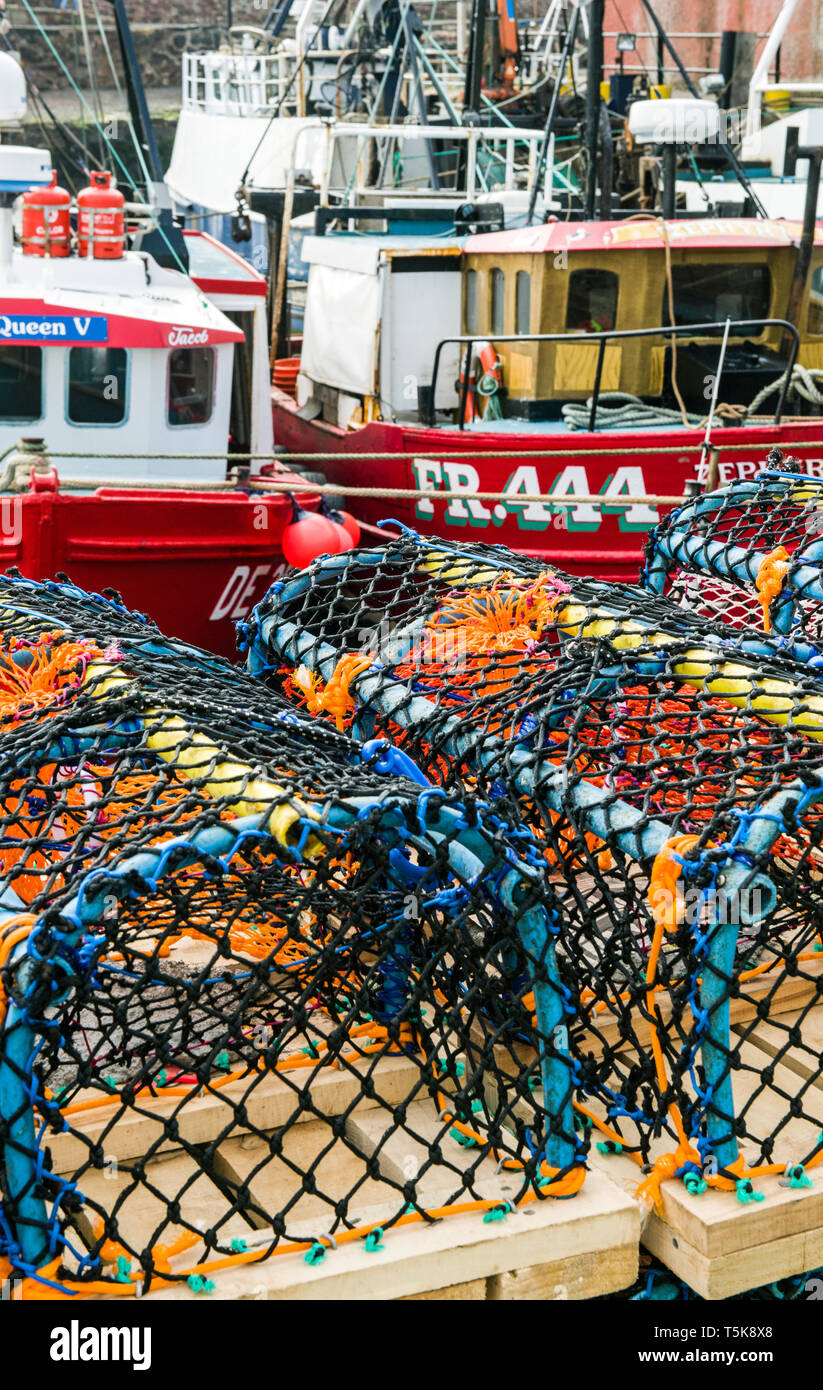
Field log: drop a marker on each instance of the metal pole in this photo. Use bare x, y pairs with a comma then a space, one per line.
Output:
669, 182
568, 47
711, 481
594, 76
421, 101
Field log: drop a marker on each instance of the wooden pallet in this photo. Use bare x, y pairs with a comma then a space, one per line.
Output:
578, 1248
718, 1245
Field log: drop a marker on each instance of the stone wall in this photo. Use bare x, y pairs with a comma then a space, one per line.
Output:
198, 24
159, 40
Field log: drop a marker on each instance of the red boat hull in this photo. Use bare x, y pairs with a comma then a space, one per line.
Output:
604, 539
194, 561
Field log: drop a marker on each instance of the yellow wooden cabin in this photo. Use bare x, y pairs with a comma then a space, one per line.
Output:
581, 278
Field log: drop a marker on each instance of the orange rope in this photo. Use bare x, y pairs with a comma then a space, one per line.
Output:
770, 576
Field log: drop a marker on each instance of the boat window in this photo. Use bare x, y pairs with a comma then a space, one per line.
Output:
191, 386
815, 322
522, 302
470, 315
21, 382
592, 302
242, 378
497, 290
713, 293
97, 386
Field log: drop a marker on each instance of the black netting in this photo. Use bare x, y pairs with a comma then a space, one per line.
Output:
262, 989
669, 768
748, 555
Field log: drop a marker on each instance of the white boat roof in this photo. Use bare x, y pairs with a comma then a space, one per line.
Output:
128, 302
351, 251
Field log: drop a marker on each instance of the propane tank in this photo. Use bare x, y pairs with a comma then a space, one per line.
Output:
46, 225
101, 219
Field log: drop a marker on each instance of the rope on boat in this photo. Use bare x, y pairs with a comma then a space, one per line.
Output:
801, 383
444, 451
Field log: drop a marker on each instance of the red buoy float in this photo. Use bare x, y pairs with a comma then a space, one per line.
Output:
101, 220
46, 221
350, 525
310, 534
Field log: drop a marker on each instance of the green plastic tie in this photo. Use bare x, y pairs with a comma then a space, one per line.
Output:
198, 1284
311, 1051
609, 1147
239, 1246
465, 1140
746, 1193
477, 1105
695, 1184
162, 1077
798, 1177
315, 1254
222, 1062
498, 1213
373, 1239
123, 1270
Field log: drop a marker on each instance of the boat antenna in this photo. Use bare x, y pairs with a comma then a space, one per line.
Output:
136, 93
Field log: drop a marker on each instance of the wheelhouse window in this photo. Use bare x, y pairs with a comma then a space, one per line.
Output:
191, 386
497, 292
522, 302
97, 385
470, 310
592, 303
21, 382
713, 293
815, 321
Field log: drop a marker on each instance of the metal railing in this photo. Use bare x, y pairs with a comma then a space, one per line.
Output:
500, 143
236, 84
692, 330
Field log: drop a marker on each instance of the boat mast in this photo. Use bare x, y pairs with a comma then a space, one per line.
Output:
165, 242
594, 77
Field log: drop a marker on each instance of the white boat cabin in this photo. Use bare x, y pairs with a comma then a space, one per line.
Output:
130, 372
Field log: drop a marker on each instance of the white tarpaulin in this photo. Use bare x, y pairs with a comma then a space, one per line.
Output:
340, 333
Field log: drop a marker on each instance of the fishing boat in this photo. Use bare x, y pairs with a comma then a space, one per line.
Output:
542, 386
125, 389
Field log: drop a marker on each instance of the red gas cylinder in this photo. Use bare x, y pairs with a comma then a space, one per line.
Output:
46, 225
101, 219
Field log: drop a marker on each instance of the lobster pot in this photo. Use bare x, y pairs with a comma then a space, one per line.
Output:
666, 767
101, 219
46, 221
242, 960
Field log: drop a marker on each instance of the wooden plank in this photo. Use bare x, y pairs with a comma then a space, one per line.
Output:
723, 1275
270, 1101
404, 1151
591, 1275
722, 1247
475, 1290
275, 1187
142, 1215
772, 1039
458, 1250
